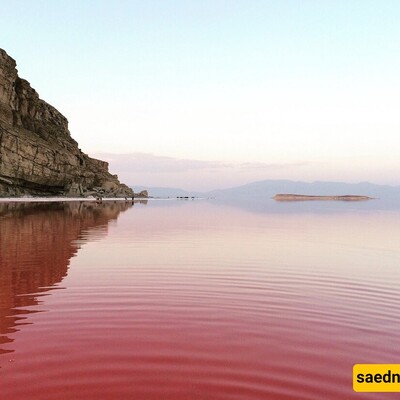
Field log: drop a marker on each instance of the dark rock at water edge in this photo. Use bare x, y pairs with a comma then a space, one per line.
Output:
38, 156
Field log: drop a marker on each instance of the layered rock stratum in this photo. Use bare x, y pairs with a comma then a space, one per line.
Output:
38, 156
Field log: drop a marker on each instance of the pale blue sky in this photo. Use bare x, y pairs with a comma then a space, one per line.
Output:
295, 89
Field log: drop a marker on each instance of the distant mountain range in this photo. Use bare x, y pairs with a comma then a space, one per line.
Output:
269, 188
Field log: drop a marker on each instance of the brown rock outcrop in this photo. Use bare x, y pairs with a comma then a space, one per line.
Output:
143, 193
38, 156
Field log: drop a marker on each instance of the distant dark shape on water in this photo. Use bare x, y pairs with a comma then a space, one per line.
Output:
302, 197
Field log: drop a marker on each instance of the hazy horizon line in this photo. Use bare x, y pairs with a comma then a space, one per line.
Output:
207, 175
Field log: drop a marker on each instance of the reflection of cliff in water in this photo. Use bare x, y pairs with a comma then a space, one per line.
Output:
37, 241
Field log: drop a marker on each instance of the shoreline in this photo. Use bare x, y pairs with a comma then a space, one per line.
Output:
67, 199
86, 199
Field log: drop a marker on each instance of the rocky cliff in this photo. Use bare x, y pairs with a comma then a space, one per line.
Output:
38, 156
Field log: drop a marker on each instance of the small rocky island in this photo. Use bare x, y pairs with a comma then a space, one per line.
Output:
302, 197
38, 156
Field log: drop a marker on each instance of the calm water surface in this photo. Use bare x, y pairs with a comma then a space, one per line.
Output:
195, 300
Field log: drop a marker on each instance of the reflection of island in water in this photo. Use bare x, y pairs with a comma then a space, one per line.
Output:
303, 197
37, 241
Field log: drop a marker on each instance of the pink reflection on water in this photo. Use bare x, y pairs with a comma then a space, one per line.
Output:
195, 301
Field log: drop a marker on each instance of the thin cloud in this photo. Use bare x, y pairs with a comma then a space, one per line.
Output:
191, 174
269, 166
150, 163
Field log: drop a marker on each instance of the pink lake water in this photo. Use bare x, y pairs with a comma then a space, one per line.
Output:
195, 300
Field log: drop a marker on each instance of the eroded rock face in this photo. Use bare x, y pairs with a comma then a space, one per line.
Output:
38, 156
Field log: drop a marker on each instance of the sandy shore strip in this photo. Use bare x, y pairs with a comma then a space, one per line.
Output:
87, 199
61, 199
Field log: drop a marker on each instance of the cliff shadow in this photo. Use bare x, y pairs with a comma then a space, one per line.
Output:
37, 241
